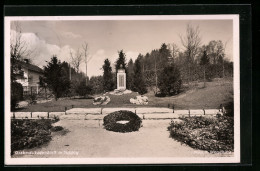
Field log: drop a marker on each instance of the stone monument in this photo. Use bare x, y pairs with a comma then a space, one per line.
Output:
121, 78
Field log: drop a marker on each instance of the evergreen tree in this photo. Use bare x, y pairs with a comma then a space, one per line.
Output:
170, 80
55, 78
121, 60
165, 55
130, 71
108, 83
139, 83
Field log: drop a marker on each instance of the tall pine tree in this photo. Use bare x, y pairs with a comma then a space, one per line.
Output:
108, 83
139, 83
130, 76
121, 60
55, 78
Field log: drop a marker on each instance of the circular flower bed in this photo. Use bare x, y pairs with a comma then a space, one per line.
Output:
122, 121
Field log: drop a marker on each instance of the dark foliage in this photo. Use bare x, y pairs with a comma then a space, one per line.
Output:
29, 133
83, 90
16, 94
110, 121
170, 80
57, 128
121, 61
108, 83
130, 75
96, 82
138, 82
56, 78
210, 134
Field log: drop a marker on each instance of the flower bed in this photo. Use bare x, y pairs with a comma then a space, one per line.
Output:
101, 100
122, 121
139, 100
30, 133
211, 134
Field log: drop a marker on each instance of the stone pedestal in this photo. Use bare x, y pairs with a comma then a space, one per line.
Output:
121, 79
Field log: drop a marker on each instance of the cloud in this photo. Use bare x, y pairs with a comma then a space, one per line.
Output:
70, 35
43, 51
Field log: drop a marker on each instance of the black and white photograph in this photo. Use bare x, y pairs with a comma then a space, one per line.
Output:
134, 89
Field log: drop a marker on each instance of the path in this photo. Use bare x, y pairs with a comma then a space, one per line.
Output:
84, 141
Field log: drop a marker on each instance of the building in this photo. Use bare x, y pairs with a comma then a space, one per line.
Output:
29, 77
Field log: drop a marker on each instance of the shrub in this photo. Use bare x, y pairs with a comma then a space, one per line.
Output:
170, 80
211, 134
56, 128
30, 133
82, 89
16, 94
111, 121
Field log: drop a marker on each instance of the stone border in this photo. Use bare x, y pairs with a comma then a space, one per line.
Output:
99, 113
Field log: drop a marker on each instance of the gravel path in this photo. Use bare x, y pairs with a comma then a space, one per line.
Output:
82, 140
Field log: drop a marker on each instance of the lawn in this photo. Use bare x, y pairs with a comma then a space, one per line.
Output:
215, 93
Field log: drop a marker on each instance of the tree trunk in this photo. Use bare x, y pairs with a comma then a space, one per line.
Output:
204, 76
223, 69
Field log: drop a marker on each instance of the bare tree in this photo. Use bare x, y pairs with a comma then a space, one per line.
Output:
174, 51
223, 59
85, 52
191, 43
18, 48
76, 59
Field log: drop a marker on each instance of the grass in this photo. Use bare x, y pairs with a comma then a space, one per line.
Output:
215, 93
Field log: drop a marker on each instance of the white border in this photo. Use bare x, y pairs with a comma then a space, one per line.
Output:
48, 161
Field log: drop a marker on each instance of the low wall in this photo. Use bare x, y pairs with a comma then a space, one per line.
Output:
99, 113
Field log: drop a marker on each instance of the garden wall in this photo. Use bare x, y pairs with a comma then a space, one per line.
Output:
99, 113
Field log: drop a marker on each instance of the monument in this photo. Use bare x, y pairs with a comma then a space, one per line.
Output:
121, 78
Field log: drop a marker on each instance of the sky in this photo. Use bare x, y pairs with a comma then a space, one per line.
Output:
106, 37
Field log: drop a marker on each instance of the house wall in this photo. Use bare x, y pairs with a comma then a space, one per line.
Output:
30, 80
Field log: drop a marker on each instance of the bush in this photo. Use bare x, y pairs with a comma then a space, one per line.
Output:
111, 121
170, 80
211, 134
16, 94
82, 89
29, 133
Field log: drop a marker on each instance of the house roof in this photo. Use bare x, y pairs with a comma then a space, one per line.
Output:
30, 67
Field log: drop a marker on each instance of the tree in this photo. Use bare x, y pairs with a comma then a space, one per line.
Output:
138, 82
85, 49
191, 43
121, 60
18, 49
174, 52
96, 82
76, 59
108, 83
55, 78
164, 56
170, 80
204, 62
130, 71
215, 50
154, 55
82, 89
